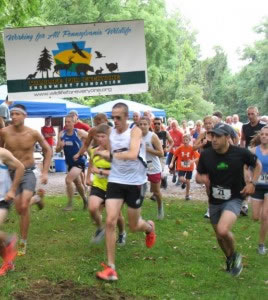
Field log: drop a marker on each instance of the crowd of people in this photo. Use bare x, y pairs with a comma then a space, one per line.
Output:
228, 158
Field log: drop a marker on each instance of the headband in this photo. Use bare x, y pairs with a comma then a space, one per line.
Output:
18, 109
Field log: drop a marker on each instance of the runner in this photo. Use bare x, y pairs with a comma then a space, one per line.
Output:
204, 141
167, 144
126, 183
20, 141
48, 133
154, 151
221, 169
7, 194
185, 158
249, 130
136, 119
176, 136
260, 197
101, 169
70, 141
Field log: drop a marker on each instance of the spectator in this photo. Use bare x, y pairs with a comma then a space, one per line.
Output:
4, 112
77, 123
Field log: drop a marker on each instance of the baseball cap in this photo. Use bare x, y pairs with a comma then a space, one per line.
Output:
221, 129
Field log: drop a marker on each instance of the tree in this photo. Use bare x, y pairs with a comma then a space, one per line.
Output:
44, 62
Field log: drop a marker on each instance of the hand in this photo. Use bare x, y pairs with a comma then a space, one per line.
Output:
76, 156
10, 195
44, 178
249, 189
204, 141
94, 170
170, 166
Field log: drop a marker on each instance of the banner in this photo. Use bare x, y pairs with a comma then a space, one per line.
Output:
76, 60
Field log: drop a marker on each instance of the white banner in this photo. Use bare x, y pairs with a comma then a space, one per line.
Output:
76, 60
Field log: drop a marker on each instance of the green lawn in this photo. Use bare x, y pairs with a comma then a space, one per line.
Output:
180, 266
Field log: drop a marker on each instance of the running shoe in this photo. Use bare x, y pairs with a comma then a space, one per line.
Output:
160, 213
164, 183
236, 264
174, 178
40, 203
187, 198
10, 251
183, 186
99, 235
22, 248
244, 211
262, 250
6, 267
153, 197
151, 236
122, 239
107, 274
207, 215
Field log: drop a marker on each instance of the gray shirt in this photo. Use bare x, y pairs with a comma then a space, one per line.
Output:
4, 111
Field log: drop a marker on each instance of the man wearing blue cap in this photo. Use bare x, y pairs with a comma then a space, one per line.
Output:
221, 169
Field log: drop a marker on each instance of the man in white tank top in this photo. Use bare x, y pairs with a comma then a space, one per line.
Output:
7, 194
126, 183
154, 151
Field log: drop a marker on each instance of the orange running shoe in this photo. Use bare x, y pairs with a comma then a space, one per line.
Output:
151, 236
10, 251
6, 267
107, 274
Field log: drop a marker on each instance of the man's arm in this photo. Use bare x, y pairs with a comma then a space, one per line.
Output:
47, 157
9, 160
170, 142
60, 143
158, 149
243, 139
86, 143
249, 189
2, 122
134, 148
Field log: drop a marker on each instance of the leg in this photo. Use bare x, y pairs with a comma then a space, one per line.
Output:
136, 223
71, 176
157, 193
3, 236
81, 190
22, 202
121, 223
223, 233
264, 220
113, 207
256, 209
94, 208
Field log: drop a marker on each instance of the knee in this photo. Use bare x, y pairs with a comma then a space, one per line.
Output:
222, 232
23, 209
68, 181
111, 223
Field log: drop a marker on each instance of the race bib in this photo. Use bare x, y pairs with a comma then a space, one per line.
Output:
263, 179
221, 193
185, 163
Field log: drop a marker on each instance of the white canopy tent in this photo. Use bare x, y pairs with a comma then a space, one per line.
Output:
132, 106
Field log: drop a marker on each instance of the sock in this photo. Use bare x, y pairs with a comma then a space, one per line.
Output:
112, 266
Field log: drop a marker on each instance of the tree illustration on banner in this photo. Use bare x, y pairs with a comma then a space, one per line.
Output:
44, 62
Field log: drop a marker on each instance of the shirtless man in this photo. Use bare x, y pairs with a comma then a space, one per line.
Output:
20, 141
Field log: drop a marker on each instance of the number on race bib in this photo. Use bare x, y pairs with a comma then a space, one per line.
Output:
221, 193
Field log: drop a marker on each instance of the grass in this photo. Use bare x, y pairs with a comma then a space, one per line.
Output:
180, 266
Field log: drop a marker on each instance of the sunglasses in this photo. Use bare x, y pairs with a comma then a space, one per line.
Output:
116, 118
157, 123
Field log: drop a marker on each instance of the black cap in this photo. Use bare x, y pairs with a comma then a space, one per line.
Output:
221, 129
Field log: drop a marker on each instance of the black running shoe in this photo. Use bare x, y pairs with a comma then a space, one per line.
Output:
164, 183
236, 264
174, 178
244, 211
228, 264
183, 186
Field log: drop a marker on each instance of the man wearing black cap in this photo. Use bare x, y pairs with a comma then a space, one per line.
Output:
220, 168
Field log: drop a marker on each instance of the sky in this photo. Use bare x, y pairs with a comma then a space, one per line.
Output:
228, 23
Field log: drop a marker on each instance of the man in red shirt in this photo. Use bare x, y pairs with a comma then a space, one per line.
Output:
77, 123
48, 132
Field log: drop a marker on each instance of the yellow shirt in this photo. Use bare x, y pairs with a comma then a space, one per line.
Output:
99, 181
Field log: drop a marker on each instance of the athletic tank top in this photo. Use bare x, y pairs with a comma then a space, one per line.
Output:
153, 161
132, 172
99, 181
72, 144
263, 179
5, 181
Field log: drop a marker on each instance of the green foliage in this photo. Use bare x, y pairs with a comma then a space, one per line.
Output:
179, 82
